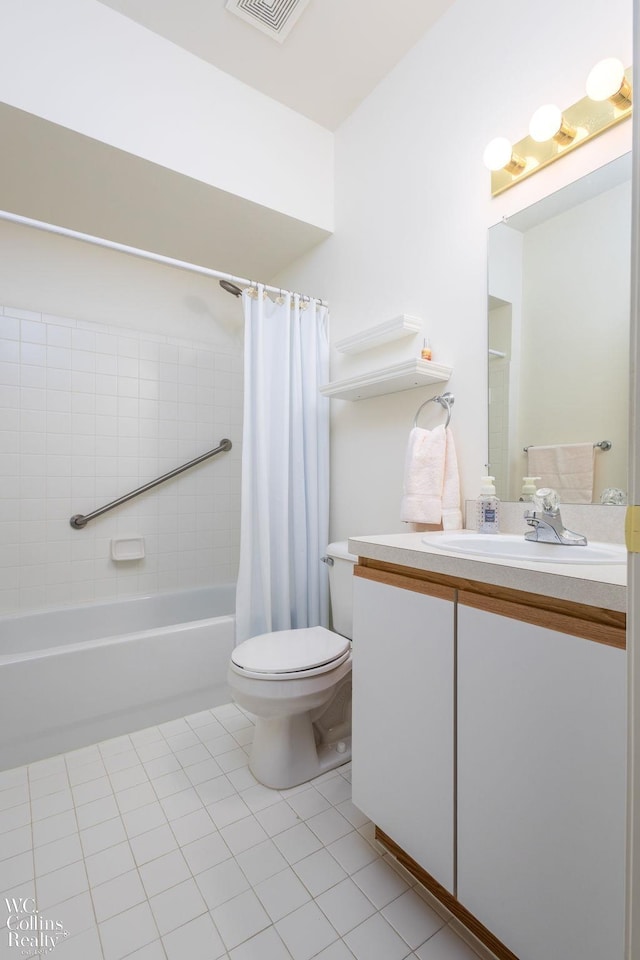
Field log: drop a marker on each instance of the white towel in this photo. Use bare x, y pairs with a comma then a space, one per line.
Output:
567, 467
423, 476
451, 513
431, 483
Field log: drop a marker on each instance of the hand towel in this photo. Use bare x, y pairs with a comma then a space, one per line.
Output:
424, 476
567, 467
451, 513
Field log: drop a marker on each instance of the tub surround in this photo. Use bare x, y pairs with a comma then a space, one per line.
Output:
90, 412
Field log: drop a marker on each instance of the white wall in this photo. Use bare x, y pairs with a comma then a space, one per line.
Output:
80, 64
53, 274
412, 212
116, 372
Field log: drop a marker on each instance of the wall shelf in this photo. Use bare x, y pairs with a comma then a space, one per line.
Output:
396, 329
391, 379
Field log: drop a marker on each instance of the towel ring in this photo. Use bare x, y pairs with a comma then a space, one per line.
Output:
445, 400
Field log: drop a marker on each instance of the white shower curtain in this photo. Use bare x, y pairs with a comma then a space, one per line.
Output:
282, 582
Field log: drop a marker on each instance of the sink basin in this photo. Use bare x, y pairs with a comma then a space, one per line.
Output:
508, 546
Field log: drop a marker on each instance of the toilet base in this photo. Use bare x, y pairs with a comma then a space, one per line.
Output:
284, 752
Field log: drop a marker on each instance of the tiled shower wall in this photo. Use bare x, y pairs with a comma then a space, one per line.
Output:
88, 412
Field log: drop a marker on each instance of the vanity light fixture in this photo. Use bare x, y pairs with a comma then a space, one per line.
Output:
554, 132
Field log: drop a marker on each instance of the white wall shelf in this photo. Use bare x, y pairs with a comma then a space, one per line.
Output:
391, 379
396, 329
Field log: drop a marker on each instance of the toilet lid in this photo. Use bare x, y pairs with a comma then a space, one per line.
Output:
290, 651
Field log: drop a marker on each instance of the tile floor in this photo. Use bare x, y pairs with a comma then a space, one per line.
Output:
161, 845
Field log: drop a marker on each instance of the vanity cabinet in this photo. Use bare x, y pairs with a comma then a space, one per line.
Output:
541, 783
403, 715
489, 748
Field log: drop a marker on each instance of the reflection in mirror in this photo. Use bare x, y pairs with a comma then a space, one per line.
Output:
559, 275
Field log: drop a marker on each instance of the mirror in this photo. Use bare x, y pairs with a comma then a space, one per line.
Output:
559, 302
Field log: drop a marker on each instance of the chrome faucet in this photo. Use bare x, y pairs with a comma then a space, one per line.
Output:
547, 523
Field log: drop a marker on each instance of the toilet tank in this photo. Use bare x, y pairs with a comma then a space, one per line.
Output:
341, 587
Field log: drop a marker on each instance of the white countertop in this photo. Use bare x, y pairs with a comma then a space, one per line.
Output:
598, 585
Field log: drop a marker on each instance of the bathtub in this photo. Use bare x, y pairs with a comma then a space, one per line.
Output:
74, 676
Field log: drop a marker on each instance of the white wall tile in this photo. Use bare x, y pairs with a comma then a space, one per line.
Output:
9, 349
89, 413
58, 336
9, 396
10, 373
9, 327
59, 379
58, 357
33, 331
33, 377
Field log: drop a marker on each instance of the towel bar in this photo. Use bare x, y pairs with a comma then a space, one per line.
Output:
445, 400
602, 444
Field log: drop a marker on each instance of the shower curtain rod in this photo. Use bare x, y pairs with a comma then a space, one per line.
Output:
136, 251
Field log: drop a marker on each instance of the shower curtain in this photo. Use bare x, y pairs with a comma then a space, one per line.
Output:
284, 525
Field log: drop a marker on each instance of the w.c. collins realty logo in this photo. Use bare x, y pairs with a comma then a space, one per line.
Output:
28, 931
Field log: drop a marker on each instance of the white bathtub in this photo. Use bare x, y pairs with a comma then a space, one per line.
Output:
74, 676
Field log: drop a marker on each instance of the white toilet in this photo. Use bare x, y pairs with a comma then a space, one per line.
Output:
297, 683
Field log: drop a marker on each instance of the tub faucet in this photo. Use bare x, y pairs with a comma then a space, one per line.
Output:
547, 522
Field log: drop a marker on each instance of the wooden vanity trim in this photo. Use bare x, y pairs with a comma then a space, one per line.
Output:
566, 616
576, 626
405, 582
447, 899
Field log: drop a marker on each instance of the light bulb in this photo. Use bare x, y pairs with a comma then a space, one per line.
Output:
547, 123
606, 81
499, 155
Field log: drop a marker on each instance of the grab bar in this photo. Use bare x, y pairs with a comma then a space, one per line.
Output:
445, 400
78, 521
603, 445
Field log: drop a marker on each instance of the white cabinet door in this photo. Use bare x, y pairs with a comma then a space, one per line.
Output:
541, 787
403, 706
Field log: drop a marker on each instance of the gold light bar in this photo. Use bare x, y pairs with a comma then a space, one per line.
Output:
582, 122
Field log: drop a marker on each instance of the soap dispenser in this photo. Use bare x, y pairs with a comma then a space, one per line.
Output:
528, 489
487, 508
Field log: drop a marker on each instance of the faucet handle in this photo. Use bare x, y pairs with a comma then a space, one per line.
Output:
547, 500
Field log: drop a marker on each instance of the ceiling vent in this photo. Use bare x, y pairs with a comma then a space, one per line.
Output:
276, 18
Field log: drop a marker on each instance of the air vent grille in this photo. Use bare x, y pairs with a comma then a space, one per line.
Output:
276, 18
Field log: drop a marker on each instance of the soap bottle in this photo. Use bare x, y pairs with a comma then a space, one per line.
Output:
487, 508
528, 489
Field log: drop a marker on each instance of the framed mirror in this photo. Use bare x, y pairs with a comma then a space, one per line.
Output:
559, 302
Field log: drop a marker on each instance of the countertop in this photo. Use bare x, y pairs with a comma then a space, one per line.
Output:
597, 585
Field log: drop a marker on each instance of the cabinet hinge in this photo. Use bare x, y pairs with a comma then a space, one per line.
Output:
632, 529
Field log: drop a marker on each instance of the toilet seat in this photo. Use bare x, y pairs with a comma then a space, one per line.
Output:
290, 654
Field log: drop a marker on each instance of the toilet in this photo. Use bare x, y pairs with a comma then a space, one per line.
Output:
297, 684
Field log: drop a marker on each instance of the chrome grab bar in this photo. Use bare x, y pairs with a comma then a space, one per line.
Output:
79, 520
